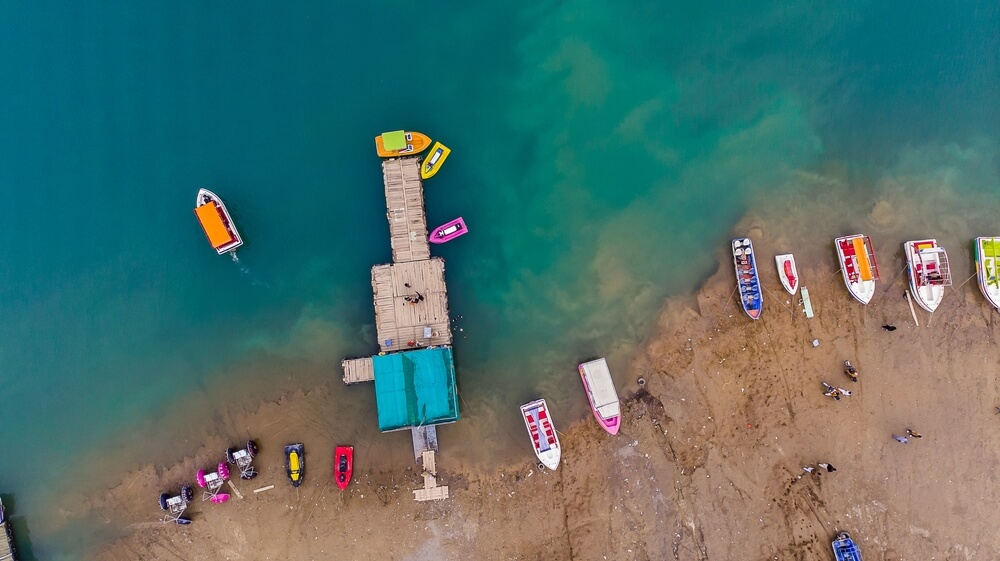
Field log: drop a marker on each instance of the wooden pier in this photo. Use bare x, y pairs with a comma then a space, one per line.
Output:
404, 201
431, 491
411, 305
358, 370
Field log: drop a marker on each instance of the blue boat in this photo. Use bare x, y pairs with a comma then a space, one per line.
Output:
747, 279
844, 548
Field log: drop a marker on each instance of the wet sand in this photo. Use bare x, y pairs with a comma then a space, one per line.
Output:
708, 463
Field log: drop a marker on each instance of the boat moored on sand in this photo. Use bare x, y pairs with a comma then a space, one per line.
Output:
844, 548
543, 433
857, 262
787, 272
929, 272
295, 463
447, 232
987, 259
601, 393
434, 160
216, 222
747, 279
343, 465
401, 143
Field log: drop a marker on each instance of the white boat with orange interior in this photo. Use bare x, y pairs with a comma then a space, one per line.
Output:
543, 433
929, 272
857, 261
216, 222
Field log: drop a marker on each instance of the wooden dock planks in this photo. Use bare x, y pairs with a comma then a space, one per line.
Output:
404, 200
358, 370
399, 321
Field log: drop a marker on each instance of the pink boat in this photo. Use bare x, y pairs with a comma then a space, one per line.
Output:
449, 231
601, 393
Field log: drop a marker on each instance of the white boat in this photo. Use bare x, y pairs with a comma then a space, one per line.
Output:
857, 261
216, 222
543, 434
602, 394
987, 259
927, 267
787, 272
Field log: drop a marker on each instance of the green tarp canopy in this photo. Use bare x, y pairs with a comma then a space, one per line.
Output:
415, 388
395, 140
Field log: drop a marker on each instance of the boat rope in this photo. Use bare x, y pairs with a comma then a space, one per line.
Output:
892, 282
724, 308
776, 297
965, 282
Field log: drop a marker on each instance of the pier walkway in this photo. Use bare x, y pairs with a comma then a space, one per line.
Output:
404, 201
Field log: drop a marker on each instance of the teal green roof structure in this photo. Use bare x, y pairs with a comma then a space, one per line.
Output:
415, 388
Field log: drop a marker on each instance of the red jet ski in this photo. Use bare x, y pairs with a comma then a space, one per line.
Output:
343, 465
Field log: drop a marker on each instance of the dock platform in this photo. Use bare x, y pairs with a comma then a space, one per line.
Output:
401, 321
358, 370
425, 439
404, 202
431, 491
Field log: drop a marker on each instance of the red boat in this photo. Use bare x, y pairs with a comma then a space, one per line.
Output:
343, 465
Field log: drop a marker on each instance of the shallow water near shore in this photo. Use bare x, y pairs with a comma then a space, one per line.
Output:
599, 172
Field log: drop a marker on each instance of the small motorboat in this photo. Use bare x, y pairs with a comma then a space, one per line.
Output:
787, 272
295, 463
747, 279
543, 435
401, 143
857, 261
601, 393
987, 259
434, 160
844, 548
449, 231
216, 222
929, 272
343, 465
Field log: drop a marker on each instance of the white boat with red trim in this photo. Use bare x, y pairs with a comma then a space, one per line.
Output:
543, 433
787, 272
857, 261
929, 272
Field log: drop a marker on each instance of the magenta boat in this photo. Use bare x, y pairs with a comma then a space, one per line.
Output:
601, 393
449, 231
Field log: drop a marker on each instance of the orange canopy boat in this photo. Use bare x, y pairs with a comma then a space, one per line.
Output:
401, 143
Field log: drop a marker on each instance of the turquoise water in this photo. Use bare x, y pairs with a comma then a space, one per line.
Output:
602, 152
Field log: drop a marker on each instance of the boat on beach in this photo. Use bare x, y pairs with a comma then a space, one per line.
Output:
447, 232
787, 272
747, 279
857, 262
929, 272
295, 463
401, 143
844, 548
7, 550
601, 393
343, 465
216, 222
543, 433
987, 259
434, 160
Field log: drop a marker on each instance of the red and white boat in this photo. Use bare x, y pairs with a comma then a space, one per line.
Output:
216, 222
857, 261
602, 394
343, 465
449, 231
543, 434
786, 270
929, 272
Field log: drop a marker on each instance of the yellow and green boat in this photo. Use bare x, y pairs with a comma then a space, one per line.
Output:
987, 258
434, 159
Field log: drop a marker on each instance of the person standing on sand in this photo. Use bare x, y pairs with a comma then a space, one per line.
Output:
831, 391
900, 439
912, 434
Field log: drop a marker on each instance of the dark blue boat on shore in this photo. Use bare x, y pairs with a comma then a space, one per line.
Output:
844, 548
747, 280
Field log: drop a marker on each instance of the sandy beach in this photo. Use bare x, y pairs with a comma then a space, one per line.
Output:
708, 463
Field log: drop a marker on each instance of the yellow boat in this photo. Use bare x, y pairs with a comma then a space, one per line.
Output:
401, 143
432, 163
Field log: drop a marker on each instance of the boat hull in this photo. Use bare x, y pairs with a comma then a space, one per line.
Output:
212, 231
923, 256
447, 232
295, 463
747, 279
787, 272
434, 160
343, 466
601, 393
415, 143
543, 435
987, 259
857, 263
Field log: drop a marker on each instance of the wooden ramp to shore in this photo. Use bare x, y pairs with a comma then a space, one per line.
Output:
358, 370
404, 201
431, 491
401, 321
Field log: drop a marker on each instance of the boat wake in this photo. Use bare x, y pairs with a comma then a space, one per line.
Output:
245, 271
